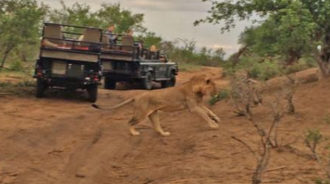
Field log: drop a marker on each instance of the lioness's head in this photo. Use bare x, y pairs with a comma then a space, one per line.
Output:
204, 85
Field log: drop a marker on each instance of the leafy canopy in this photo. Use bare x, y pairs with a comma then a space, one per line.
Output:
20, 21
81, 14
285, 27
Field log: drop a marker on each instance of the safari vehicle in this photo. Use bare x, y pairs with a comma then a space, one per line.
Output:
69, 58
129, 61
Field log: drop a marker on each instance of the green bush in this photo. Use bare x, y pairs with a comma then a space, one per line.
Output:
16, 65
223, 94
321, 181
302, 64
263, 68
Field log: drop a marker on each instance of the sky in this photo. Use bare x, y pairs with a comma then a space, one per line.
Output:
173, 19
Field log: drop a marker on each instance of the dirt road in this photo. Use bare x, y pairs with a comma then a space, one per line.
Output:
61, 139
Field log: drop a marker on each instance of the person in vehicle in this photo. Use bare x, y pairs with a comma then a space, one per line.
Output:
153, 48
153, 54
140, 45
111, 34
130, 32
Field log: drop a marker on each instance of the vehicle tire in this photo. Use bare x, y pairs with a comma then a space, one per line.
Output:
40, 88
109, 84
92, 93
169, 83
147, 81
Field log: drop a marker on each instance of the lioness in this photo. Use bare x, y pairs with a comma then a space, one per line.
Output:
187, 96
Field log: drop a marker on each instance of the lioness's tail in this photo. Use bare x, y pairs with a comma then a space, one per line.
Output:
114, 107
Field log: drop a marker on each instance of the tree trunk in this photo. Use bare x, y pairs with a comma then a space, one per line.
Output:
322, 60
5, 57
242, 51
322, 57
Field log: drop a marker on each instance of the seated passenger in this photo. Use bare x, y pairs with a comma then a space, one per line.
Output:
153, 48
110, 33
140, 45
153, 54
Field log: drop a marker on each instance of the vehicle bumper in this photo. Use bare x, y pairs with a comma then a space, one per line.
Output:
122, 75
68, 82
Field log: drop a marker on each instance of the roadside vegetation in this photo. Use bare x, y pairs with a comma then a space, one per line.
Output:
286, 37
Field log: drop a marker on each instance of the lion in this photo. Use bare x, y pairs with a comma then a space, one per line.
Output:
189, 96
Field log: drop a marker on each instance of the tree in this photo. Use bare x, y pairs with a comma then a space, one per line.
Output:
150, 38
299, 25
78, 14
20, 21
219, 54
81, 14
123, 19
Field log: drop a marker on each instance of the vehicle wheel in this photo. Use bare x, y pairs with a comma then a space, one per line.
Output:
109, 84
169, 83
40, 88
92, 93
147, 82
173, 80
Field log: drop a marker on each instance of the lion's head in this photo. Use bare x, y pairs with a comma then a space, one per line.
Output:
204, 85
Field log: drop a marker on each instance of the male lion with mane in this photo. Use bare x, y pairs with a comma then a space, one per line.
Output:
189, 95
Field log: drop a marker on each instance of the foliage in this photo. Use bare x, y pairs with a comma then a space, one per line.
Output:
150, 38
20, 21
286, 32
264, 68
312, 140
78, 14
286, 28
82, 15
123, 19
313, 136
185, 51
256, 67
223, 94
327, 119
188, 67
303, 64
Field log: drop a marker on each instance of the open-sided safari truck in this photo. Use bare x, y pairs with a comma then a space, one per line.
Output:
129, 61
69, 58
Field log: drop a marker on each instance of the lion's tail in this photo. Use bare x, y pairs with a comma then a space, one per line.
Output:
114, 107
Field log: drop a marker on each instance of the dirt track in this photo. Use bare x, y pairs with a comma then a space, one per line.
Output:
60, 140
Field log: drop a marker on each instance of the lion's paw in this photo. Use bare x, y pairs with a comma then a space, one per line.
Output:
215, 126
135, 133
216, 119
166, 134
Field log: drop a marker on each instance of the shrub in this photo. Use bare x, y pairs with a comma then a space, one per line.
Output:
223, 94
302, 64
265, 70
